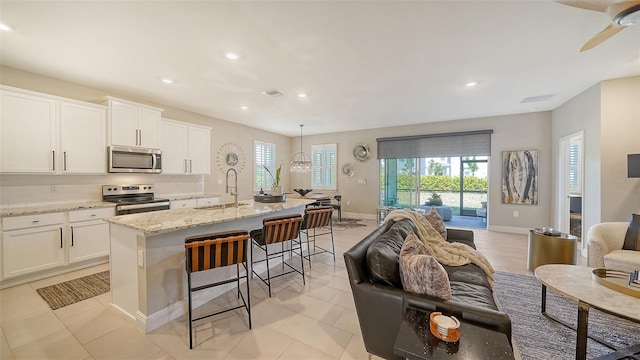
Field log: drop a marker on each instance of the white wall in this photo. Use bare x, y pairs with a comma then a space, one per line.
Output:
620, 129
609, 113
511, 132
22, 190
578, 114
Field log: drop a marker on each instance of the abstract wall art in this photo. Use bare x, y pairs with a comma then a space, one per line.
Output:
520, 177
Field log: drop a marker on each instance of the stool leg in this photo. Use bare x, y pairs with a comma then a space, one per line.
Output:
333, 247
190, 317
302, 262
248, 296
266, 251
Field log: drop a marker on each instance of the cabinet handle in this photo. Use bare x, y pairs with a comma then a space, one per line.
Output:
190, 166
64, 157
72, 236
60, 238
94, 215
140, 132
185, 165
54, 160
35, 221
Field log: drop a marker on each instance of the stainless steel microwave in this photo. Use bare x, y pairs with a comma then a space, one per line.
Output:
126, 159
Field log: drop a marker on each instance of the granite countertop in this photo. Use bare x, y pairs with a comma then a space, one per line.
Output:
157, 222
32, 210
187, 196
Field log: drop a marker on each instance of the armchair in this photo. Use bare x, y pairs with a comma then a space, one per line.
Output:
604, 247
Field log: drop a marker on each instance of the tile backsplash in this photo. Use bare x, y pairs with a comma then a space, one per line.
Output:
34, 190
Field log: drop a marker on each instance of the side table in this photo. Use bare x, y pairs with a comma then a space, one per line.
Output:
547, 249
415, 341
383, 211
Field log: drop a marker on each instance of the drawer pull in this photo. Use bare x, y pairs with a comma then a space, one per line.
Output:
94, 215
35, 221
60, 238
72, 236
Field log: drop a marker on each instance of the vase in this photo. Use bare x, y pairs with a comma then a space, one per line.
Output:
277, 190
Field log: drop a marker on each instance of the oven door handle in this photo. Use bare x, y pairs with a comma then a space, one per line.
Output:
142, 206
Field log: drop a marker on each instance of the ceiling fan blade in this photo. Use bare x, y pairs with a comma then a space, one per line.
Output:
595, 5
603, 35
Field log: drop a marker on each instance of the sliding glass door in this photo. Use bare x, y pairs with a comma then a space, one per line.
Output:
400, 183
473, 185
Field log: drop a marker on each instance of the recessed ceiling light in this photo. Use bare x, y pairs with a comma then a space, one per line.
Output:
4, 27
244, 107
231, 56
302, 95
167, 81
470, 84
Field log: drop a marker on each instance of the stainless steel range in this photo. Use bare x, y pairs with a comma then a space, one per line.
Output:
132, 199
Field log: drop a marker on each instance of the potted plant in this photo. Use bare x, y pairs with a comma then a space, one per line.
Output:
276, 187
435, 200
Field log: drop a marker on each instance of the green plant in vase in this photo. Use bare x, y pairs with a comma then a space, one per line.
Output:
276, 188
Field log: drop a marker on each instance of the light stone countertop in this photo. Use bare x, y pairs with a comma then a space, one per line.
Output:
33, 210
186, 196
157, 222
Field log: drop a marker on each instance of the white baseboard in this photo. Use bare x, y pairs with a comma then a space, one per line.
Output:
350, 215
508, 229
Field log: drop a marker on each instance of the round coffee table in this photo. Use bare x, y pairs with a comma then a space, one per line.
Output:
577, 283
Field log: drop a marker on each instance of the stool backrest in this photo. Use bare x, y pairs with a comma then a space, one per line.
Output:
209, 251
317, 217
281, 228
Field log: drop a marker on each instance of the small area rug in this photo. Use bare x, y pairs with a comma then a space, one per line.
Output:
72, 291
538, 337
346, 224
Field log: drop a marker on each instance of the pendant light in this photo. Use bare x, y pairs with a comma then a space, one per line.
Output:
301, 162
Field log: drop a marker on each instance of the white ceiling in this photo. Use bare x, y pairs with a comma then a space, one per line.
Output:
363, 64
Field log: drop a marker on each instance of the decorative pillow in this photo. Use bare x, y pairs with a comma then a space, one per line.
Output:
632, 238
436, 221
382, 257
420, 272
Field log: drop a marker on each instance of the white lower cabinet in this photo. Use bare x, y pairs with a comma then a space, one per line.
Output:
183, 204
36, 243
202, 202
32, 243
88, 234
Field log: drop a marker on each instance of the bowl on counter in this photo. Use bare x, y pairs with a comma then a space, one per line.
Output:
303, 192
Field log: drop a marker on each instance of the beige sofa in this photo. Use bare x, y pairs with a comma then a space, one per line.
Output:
604, 247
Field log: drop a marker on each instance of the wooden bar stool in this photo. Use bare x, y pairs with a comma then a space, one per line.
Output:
317, 222
216, 250
275, 230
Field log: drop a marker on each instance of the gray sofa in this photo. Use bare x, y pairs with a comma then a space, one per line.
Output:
380, 299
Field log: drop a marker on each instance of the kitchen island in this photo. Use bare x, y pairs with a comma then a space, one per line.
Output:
148, 277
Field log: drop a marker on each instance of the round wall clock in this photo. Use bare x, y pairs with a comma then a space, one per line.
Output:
361, 152
229, 156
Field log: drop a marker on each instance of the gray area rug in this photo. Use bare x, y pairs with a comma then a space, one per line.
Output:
346, 224
72, 291
538, 337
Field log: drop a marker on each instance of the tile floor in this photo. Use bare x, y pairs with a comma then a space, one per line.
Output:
316, 321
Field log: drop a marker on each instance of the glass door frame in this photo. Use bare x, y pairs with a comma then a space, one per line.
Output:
463, 161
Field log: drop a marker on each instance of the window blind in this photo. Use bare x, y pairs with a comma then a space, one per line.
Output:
325, 163
265, 155
434, 145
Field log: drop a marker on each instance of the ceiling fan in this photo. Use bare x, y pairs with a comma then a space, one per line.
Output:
622, 13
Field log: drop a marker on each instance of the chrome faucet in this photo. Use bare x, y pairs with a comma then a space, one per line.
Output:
234, 187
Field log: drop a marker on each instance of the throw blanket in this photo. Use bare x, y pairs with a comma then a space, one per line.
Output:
448, 253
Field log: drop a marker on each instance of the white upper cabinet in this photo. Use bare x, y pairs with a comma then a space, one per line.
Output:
83, 138
28, 131
199, 150
185, 148
133, 124
41, 133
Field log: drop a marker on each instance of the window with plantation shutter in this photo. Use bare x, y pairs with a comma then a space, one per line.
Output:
575, 177
325, 165
265, 155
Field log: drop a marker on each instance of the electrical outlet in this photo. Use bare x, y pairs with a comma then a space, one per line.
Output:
141, 258
348, 203
516, 213
219, 181
54, 188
